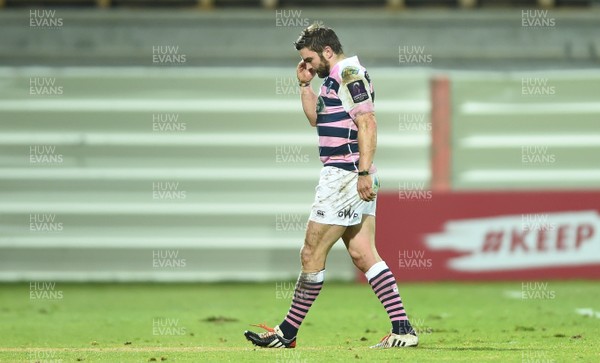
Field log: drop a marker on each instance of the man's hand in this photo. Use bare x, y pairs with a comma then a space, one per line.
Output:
303, 74
365, 188
367, 143
307, 95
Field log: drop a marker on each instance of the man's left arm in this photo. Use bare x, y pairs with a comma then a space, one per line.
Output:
367, 144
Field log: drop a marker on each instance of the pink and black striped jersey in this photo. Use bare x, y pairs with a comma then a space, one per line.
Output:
344, 94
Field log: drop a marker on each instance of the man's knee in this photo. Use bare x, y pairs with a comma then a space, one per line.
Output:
310, 244
313, 253
306, 254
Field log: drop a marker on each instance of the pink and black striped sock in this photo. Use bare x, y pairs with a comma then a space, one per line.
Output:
384, 285
307, 289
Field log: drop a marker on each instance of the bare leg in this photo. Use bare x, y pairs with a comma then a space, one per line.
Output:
360, 242
317, 243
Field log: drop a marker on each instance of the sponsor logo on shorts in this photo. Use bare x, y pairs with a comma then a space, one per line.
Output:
347, 213
321, 213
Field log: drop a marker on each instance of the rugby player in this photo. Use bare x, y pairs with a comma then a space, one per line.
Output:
345, 200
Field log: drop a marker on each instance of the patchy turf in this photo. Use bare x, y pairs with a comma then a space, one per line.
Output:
204, 322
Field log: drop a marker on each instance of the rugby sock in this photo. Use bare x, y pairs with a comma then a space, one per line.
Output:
307, 289
384, 285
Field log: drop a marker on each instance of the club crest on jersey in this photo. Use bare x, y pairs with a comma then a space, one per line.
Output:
349, 72
320, 104
358, 91
329, 87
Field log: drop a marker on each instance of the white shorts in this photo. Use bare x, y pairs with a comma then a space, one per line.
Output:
337, 200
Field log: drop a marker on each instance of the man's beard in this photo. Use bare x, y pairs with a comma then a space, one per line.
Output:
323, 70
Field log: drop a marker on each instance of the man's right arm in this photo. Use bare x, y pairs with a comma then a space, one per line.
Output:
307, 95
309, 104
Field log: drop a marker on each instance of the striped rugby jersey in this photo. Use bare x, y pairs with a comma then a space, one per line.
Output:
345, 93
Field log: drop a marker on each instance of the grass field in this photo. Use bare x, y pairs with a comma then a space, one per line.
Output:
204, 323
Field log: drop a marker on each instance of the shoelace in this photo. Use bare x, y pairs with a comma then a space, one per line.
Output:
382, 341
384, 338
269, 331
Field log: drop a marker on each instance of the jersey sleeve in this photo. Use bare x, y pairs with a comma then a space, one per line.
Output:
355, 91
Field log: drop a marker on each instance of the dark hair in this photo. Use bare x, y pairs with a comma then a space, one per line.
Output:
317, 37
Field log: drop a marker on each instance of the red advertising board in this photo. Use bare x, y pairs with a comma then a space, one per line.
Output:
507, 235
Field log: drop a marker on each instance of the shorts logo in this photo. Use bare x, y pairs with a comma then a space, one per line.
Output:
347, 213
358, 91
321, 214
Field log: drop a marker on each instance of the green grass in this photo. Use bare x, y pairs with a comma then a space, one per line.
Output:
458, 323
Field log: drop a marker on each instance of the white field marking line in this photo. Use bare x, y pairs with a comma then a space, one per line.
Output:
588, 312
509, 141
487, 108
260, 105
210, 139
513, 294
148, 349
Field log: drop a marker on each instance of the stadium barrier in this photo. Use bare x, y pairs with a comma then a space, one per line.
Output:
272, 4
107, 178
491, 235
541, 39
141, 174
444, 233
